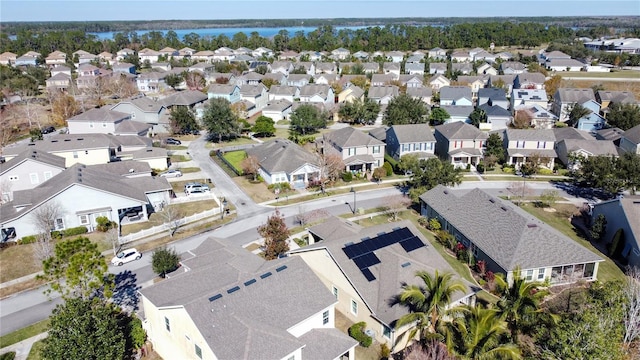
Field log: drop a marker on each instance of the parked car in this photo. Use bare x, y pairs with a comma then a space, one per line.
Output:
172, 141
171, 173
126, 256
47, 130
195, 187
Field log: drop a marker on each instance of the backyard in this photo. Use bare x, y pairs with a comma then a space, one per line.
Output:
185, 209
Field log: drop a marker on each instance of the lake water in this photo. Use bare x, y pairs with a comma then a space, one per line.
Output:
229, 32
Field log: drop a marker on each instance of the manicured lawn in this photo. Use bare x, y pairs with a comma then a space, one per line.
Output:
234, 142
24, 333
17, 261
37, 347
607, 270
187, 170
176, 147
235, 159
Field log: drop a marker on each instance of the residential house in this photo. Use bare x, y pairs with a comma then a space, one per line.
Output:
56, 58
382, 79
475, 83
8, 58
204, 55
460, 143
276, 78
287, 55
308, 67
60, 81
326, 68
414, 68
415, 139
366, 267
347, 80
162, 66
569, 149
283, 161
395, 56
391, 68
284, 67
564, 65
622, 214
102, 193
371, 67
298, 80
317, 93
498, 118
340, 54
152, 81
277, 109
229, 92
504, 56
521, 98
383, 94
250, 78
123, 67
437, 53
415, 58
462, 68
185, 53
456, 95
605, 98
37, 166
565, 98
425, 94
461, 57
484, 56
612, 134
232, 302
284, 92
538, 116
148, 55
411, 81
493, 96
457, 112
87, 76
591, 122
221, 78
311, 55
475, 51
145, 110
105, 121
513, 68
87, 58
168, 53
486, 69
124, 53
359, 151
325, 79
438, 81
351, 94
529, 81
188, 98
361, 55
630, 140
262, 52
507, 238
255, 94
522, 144
501, 81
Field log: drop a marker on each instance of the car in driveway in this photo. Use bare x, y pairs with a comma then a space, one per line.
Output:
172, 141
195, 187
47, 129
171, 173
126, 256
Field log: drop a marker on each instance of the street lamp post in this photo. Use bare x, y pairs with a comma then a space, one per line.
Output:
223, 205
354, 199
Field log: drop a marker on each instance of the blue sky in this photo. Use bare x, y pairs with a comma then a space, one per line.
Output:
95, 10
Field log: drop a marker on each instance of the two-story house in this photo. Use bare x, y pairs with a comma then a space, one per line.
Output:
36, 166
630, 140
383, 94
359, 151
317, 93
229, 92
460, 143
145, 110
565, 98
104, 121
526, 98
456, 95
415, 139
255, 94
523, 144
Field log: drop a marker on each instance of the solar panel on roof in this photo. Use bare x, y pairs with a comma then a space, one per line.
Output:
368, 274
411, 244
366, 260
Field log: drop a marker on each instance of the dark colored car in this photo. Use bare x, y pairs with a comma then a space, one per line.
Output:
172, 141
47, 130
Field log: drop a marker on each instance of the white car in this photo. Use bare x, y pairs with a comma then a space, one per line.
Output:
171, 173
125, 256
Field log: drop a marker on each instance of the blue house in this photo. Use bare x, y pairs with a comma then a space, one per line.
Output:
26, 61
228, 92
593, 121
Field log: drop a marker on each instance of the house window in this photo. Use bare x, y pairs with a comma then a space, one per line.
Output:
520, 144
84, 219
59, 223
91, 124
529, 275
335, 291
376, 149
14, 178
325, 317
351, 151
167, 325
541, 144
198, 351
386, 331
75, 154
541, 274
34, 178
47, 175
405, 147
455, 144
354, 307
86, 152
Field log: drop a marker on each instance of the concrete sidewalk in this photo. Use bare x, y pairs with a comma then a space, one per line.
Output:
23, 347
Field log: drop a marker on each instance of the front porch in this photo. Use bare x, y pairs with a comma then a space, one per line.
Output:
517, 157
464, 157
360, 163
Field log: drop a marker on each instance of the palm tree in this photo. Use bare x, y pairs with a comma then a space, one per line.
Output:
479, 334
427, 304
520, 303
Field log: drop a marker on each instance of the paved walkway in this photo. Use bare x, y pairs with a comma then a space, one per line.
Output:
23, 347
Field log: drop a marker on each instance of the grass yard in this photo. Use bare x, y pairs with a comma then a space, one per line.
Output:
176, 147
24, 333
37, 347
282, 133
188, 170
235, 159
607, 270
631, 86
17, 261
624, 74
179, 158
186, 209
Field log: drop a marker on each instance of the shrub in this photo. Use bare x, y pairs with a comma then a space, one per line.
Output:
347, 177
8, 356
104, 224
391, 161
560, 124
75, 231
379, 173
282, 186
356, 331
385, 352
545, 172
423, 221
28, 240
480, 167
164, 261
388, 168
55, 234
481, 267
434, 224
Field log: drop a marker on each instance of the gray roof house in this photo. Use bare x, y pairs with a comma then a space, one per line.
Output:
513, 67
145, 110
359, 151
425, 94
284, 92
521, 144
622, 213
366, 267
584, 148
507, 237
188, 98
317, 93
630, 140
493, 96
382, 79
497, 117
437, 68
232, 304
383, 94
415, 139
460, 143
529, 81
105, 121
564, 98
36, 166
457, 112
285, 161
456, 95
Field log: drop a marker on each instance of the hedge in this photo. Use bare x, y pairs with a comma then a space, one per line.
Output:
356, 331
55, 234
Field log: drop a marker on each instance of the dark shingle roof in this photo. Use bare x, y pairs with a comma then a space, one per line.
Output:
413, 133
33, 155
185, 98
460, 131
281, 155
350, 137
455, 92
633, 134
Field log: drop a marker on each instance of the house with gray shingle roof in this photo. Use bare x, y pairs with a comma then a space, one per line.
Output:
381, 79
460, 143
457, 113
364, 290
97, 121
414, 68
570, 150
145, 110
102, 193
497, 117
493, 96
231, 303
439, 81
317, 93
564, 65
229, 92
326, 68
350, 94
415, 139
612, 134
630, 140
411, 81
189, 98
27, 170
425, 94
622, 213
437, 53
325, 79
525, 98
383, 94
298, 80
529, 81
564, 98
462, 68
539, 117
283, 161
371, 67
522, 144
507, 237
392, 68
284, 92
513, 67
359, 151
277, 109
605, 98
257, 95
456, 95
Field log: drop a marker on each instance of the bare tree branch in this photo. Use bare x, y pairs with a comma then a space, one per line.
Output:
43, 219
394, 204
172, 219
632, 306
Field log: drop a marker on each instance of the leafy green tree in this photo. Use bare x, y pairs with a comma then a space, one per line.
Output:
478, 116
600, 172
182, 120
598, 228
577, 112
77, 270
495, 147
404, 109
480, 334
624, 116
264, 127
220, 120
427, 303
438, 116
408, 163
174, 80
628, 166
275, 234
307, 119
84, 329
362, 112
431, 172
164, 261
